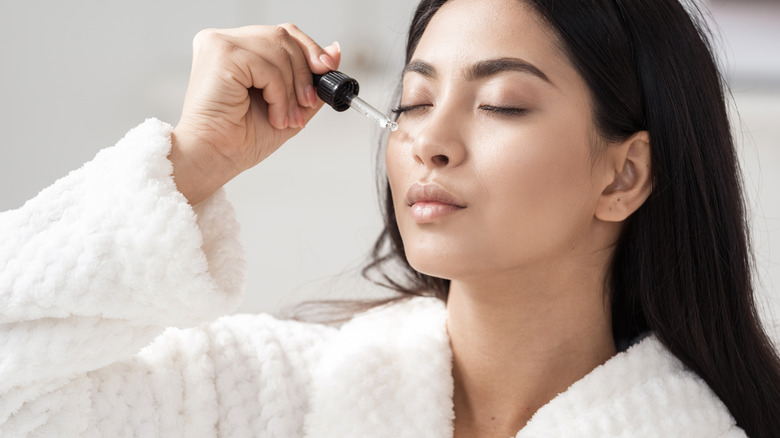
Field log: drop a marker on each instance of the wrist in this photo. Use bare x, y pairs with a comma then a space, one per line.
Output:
198, 171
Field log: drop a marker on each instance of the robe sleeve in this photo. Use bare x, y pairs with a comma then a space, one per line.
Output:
98, 265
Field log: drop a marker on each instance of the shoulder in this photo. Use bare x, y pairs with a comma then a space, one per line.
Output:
645, 390
266, 338
400, 326
256, 336
263, 335
413, 310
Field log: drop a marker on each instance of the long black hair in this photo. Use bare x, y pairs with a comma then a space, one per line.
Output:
682, 267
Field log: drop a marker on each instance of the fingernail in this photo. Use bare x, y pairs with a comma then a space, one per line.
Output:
328, 61
286, 122
311, 96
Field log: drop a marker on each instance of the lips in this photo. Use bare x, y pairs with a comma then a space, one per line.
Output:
429, 202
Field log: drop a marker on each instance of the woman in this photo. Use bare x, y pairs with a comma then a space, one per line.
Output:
563, 183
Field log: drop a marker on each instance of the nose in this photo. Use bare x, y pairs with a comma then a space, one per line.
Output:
439, 143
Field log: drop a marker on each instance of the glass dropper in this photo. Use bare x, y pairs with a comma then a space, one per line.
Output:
341, 92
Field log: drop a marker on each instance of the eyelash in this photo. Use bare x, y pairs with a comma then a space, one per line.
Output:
406, 108
507, 111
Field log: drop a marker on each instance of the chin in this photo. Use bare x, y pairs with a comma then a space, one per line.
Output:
438, 264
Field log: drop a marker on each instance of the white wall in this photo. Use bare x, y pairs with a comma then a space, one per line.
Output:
747, 43
76, 75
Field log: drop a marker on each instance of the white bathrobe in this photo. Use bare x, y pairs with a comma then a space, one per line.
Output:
96, 268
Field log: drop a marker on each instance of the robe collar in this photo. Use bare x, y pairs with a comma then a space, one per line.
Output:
388, 373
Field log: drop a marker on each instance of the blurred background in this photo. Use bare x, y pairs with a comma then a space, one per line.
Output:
76, 75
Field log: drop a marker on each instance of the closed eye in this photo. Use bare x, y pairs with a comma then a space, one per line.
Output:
406, 108
507, 111
502, 110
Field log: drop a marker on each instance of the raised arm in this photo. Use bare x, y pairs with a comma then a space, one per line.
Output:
250, 91
141, 238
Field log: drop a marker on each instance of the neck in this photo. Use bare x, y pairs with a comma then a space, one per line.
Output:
519, 340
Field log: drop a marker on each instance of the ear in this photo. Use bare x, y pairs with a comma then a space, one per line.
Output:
629, 178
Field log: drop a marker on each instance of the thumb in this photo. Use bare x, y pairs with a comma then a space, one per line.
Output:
334, 51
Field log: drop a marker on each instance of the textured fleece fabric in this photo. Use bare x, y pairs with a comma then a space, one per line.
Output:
97, 267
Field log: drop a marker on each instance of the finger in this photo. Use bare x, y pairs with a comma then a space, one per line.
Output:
284, 51
287, 49
270, 78
328, 58
302, 51
274, 44
313, 59
318, 60
301, 72
308, 113
334, 50
239, 70
296, 97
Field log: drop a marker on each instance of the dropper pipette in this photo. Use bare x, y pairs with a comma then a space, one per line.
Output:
341, 92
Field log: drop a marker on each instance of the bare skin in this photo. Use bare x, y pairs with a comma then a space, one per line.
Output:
250, 91
526, 228
494, 183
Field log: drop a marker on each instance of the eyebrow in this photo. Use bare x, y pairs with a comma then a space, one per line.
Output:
482, 69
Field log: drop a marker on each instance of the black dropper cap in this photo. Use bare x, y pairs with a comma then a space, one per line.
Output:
336, 89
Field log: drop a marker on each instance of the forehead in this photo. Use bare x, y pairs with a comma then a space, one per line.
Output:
463, 32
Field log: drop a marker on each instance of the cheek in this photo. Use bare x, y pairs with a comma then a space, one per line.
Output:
398, 175
538, 188
534, 161
393, 167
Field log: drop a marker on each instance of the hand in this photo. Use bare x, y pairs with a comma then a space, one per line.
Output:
250, 91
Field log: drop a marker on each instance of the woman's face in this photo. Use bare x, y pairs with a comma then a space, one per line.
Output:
491, 169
